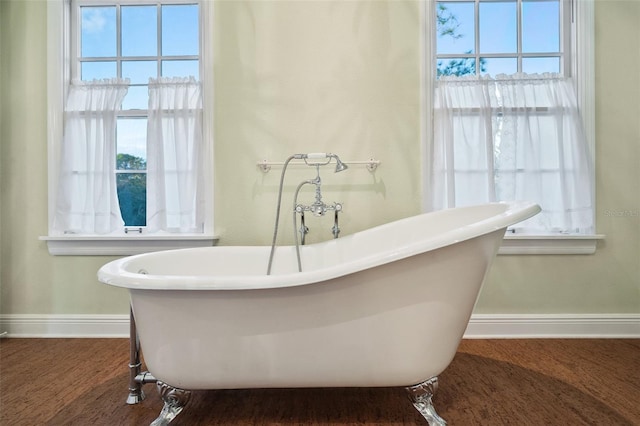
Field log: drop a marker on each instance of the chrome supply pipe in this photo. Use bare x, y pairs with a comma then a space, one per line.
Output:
136, 377
145, 377
299, 209
336, 229
304, 230
136, 394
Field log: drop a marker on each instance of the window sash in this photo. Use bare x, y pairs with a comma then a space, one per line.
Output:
564, 54
77, 60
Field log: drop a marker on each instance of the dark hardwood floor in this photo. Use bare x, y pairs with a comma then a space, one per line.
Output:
490, 382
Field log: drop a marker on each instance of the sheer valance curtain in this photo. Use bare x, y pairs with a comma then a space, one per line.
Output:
516, 137
87, 200
175, 163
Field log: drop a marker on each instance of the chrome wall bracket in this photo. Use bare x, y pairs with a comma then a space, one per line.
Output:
371, 164
421, 396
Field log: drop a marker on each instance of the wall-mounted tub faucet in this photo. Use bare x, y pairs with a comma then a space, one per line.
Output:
318, 208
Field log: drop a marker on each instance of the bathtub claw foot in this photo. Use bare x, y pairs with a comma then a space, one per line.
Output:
421, 396
174, 401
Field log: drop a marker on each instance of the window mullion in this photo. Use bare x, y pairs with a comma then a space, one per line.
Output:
133, 113
75, 42
118, 41
519, 34
476, 14
159, 40
567, 22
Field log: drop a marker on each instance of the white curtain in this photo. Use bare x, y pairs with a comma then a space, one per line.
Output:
516, 137
87, 200
175, 156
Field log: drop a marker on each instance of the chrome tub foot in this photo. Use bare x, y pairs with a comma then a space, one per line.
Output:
421, 396
174, 401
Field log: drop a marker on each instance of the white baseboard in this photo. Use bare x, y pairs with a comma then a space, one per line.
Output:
533, 326
65, 326
481, 326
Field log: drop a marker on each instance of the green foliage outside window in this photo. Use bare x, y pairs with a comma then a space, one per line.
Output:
447, 25
132, 189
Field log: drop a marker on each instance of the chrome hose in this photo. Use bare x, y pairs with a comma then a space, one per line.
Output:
275, 228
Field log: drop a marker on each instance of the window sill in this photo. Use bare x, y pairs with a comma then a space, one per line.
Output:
123, 245
549, 244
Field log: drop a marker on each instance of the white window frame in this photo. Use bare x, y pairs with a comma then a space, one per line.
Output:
59, 13
582, 75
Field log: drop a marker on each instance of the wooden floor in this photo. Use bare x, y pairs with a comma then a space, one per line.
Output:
490, 382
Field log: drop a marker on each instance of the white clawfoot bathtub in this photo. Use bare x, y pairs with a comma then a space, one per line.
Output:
387, 306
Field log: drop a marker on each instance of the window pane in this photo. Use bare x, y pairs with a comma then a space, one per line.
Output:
139, 71
498, 27
541, 26
455, 28
180, 30
132, 195
98, 31
131, 140
456, 66
540, 65
139, 30
131, 144
495, 66
98, 70
180, 69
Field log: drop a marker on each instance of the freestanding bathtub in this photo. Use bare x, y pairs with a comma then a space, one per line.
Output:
387, 306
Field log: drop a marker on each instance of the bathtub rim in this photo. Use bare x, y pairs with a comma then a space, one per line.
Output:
115, 273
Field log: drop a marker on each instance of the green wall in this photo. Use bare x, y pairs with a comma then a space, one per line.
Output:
304, 76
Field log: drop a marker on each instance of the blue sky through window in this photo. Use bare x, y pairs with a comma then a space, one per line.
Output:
537, 16
180, 30
98, 34
139, 30
498, 27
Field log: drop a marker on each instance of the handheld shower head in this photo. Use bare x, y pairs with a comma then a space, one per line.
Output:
312, 156
340, 166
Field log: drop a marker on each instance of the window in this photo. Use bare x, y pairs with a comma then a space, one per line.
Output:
507, 123
136, 42
125, 97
